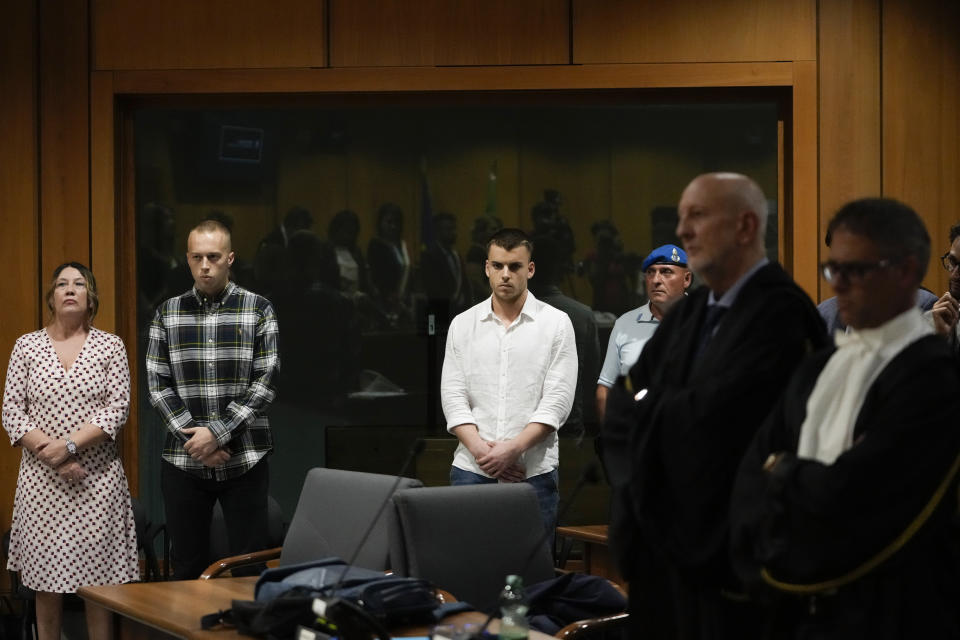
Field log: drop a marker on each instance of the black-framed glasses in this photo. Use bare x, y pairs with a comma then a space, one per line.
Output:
949, 262
851, 271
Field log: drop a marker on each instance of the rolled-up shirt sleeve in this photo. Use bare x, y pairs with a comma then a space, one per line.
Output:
454, 396
560, 384
610, 370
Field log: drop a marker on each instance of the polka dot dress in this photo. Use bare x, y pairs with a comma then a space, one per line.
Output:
70, 534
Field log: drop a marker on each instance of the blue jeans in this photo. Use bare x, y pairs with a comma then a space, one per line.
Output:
545, 486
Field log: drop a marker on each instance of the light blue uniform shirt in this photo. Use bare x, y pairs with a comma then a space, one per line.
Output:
627, 339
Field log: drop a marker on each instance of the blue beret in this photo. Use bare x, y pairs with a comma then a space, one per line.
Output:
667, 254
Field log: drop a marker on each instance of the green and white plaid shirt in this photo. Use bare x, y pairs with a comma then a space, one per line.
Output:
214, 363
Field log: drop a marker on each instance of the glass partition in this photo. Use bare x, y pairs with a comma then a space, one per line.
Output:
364, 221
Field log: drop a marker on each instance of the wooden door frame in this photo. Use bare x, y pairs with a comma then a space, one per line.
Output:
112, 217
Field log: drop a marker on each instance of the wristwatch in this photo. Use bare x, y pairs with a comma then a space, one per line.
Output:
71, 446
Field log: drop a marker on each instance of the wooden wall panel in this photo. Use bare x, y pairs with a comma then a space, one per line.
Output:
211, 34
921, 100
849, 70
386, 33
104, 242
693, 30
19, 287
848, 63
64, 135
804, 213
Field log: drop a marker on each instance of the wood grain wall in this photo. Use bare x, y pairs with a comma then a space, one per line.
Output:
19, 195
396, 33
878, 106
848, 66
212, 34
644, 31
64, 135
920, 107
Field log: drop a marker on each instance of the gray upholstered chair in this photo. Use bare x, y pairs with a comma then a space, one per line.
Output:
466, 539
335, 509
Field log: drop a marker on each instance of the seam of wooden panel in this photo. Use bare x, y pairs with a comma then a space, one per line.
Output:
848, 63
408, 79
19, 202
805, 178
64, 132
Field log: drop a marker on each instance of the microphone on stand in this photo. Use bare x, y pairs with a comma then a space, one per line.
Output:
589, 475
351, 620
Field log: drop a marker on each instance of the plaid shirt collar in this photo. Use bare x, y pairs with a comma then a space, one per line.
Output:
203, 299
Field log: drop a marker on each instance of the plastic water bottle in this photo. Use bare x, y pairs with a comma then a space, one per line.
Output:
513, 610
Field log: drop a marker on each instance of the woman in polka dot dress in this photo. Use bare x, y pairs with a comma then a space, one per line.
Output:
67, 395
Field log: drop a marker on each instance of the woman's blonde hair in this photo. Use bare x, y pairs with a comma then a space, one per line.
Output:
93, 299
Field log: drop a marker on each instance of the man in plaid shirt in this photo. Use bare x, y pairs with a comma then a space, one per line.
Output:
212, 369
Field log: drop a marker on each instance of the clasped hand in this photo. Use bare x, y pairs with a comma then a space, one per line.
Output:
499, 460
72, 471
52, 452
945, 312
202, 447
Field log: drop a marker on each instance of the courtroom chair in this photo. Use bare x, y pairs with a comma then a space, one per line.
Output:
467, 539
335, 509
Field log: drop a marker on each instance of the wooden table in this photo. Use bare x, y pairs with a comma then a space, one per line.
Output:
597, 560
169, 609
155, 610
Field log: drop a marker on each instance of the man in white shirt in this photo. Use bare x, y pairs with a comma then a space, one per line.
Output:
844, 510
509, 379
666, 279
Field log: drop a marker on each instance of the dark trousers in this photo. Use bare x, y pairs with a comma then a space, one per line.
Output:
188, 501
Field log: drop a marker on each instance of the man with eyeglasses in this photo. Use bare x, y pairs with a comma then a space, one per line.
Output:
702, 386
946, 310
924, 300
844, 510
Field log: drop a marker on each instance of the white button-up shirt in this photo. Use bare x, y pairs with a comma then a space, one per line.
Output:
503, 378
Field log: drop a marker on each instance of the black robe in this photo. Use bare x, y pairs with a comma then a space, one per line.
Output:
874, 538
672, 456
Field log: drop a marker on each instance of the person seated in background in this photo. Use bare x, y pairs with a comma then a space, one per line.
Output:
268, 262
609, 269
342, 233
389, 262
547, 257
945, 311
442, 269
320, 344
844, 510
666, 278
549, 221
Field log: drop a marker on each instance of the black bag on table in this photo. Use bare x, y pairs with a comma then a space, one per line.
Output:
357, 600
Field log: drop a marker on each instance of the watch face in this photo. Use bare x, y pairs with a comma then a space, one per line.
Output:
71, 447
